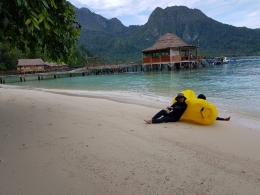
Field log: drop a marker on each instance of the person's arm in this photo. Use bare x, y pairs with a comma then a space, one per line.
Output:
170, 107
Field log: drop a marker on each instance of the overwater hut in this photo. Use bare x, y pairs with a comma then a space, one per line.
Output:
54, 66
31, 65
171, 50
38, 65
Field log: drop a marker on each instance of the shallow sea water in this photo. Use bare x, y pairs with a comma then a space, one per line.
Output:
233, 87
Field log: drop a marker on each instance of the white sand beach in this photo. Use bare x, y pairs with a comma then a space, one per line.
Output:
58, 144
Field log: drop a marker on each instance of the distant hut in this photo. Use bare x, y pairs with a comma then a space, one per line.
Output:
171, 50
47, 66
64, 66
55, 66
30, 65
38, 65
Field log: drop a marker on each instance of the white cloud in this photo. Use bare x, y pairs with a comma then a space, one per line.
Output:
233, 12
251, 19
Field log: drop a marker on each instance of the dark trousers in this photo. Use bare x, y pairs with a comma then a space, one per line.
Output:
162, 116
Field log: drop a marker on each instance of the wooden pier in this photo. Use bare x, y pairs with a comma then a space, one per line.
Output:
40, 76
105, 69
99, 69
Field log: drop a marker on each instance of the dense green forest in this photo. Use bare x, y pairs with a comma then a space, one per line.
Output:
191, 25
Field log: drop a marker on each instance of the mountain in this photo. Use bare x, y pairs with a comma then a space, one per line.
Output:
92, 21
118, 43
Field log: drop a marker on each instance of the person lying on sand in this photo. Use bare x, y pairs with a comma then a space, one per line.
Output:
202, 96
172, 113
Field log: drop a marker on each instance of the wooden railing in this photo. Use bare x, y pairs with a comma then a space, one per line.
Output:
162, 59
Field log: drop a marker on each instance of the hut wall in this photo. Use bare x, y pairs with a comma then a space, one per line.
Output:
154, 60
176, 58
30, 68
147, 60
165, 58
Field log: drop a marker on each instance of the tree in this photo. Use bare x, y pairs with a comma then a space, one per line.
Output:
8, 60
47, 26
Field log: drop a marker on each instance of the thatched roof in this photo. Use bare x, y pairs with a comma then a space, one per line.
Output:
37, 62
167, 41
30, 62
55, 64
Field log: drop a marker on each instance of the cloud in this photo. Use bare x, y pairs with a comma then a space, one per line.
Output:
250, 19
233, 12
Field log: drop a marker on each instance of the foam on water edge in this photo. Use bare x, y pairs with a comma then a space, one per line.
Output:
248, 120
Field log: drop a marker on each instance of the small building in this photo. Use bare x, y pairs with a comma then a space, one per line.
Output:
52, 66
171, 50
38, 65
30, 65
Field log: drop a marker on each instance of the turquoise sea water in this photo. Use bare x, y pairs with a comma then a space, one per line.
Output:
233, 87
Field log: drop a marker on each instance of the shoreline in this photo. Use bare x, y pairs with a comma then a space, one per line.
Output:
247, 120
60, 144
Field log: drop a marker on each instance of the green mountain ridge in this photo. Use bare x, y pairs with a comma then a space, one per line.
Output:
118, 43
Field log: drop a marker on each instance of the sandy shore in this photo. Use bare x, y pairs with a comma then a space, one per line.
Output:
58, 144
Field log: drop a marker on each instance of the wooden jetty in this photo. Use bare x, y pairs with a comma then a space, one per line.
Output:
40, 76
92, 70
101, 69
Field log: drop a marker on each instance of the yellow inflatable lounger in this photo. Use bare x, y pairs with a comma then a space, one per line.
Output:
199, 111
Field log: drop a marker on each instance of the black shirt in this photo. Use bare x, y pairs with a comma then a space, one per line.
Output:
178, 109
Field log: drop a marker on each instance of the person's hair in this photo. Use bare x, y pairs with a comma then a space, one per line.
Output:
201, 96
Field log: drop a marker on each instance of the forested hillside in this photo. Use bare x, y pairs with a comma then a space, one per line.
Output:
110, 38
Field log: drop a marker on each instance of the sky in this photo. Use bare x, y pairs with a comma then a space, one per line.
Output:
239, 13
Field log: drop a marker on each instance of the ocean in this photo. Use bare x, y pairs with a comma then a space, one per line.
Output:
233, 87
